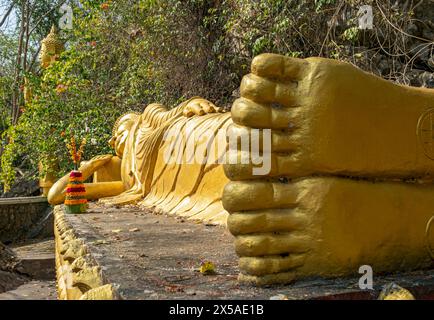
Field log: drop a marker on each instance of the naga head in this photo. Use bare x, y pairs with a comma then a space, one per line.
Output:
121, 131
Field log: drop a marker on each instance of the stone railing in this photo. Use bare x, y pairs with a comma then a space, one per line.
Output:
79, 276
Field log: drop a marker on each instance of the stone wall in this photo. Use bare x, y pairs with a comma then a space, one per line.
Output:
23, 218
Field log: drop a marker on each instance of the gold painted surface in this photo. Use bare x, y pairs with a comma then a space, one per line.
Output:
337, 132
394, 292
47, 177
330, 118
106, 292
78, 276
109, 172
51, 47
328, 227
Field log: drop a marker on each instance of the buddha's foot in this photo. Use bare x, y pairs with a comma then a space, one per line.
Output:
330, 118
125, 198
330, 123
328, 227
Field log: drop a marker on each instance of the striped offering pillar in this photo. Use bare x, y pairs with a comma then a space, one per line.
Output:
75, 200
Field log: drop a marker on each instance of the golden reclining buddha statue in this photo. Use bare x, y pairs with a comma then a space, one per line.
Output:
350, 179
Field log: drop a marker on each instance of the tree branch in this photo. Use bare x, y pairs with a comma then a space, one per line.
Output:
34, 58
7, 14
46, 15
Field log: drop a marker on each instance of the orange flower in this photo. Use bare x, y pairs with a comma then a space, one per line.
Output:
62, 134
76, 154
105, 6
92, 44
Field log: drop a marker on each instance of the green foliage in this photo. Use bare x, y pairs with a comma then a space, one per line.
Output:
7, 174
5, 84
321, 3
8, 46
351, 34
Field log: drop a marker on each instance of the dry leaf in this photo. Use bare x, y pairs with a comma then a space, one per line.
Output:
174, 288
207, 268
99, 242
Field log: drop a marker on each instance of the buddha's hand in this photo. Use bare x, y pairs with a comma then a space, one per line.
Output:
199, 106
95, 163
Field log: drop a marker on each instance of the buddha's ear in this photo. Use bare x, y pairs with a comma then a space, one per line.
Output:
111, 142
119, 142
127, 118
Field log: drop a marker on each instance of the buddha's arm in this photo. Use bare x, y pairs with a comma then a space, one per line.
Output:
93, 190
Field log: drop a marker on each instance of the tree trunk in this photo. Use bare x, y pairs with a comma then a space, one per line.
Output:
27, 35
18, 81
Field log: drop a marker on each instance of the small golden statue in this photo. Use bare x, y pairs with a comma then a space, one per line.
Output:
51, 48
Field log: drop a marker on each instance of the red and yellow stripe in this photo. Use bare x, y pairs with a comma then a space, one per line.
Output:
75, 190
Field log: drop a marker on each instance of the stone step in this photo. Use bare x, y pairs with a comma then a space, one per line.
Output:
33, 290
37, 259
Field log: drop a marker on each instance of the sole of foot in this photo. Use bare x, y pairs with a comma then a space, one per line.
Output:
329, 227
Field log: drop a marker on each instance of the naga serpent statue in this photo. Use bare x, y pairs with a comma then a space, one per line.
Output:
350, 179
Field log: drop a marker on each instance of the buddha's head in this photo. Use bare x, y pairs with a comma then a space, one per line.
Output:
121, 131
51, 48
